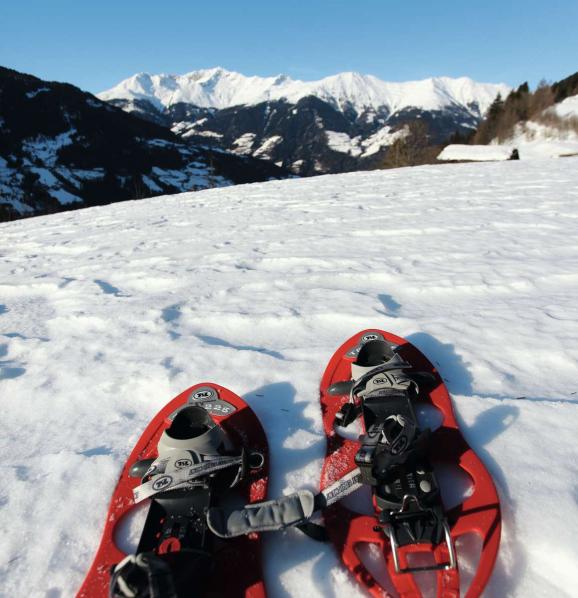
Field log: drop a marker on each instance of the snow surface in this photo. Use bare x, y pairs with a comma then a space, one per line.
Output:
567, 107
537, 140
244, 144
475, 153
107, 313
219, 88
33, 94
46, 148
268, 145
357, 146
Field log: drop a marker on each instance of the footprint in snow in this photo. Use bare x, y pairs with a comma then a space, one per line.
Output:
108, 289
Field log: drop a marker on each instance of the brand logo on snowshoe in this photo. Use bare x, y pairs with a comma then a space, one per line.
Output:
380, 380
399, 445
374, 430
370, 337
204, 394
180, 463
162, 483
345, 485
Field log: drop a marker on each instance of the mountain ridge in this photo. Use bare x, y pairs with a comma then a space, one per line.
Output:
219, 88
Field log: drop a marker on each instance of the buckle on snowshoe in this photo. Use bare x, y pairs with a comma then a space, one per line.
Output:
410, 517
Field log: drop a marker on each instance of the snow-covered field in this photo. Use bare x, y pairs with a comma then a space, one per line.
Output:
107, 313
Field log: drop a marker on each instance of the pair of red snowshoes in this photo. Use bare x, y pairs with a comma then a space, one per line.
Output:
207, 448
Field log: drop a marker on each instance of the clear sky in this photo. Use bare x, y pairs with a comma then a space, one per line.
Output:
96, 44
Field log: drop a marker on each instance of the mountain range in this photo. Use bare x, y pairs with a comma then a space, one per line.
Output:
62, 148
340, 123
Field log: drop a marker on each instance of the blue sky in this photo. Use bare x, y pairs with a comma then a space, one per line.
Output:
96, 44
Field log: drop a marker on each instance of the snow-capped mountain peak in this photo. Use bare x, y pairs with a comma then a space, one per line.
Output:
220, 88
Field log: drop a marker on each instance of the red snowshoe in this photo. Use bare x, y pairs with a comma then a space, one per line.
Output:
382, 379
206, 445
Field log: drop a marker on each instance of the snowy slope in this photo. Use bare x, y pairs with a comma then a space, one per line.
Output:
545, 137
567, 108
219, 88
534, 139
107, 313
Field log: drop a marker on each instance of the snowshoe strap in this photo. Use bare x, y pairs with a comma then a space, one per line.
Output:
341, 488
388, 376
396, 362
170, 575
294, 510
180, 471
144, 574
271, 515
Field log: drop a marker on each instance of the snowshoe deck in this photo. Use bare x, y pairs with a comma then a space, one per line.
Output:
478, 513
237, 561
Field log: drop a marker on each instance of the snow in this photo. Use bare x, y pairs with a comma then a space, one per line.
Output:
219, 88
53, 186
107, 313
357, 146
539, 141
343, 143
93, 103
191, 177
269, 144
545, 138
243, 145
8, 177
46, 177
33, 94
213, 134
382, 137
86, 175
64, 197
567, 108
151, 184
183, 128
475, 153
46, 148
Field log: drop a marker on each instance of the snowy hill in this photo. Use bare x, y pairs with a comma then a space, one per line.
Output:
567, 108
337, 124
107, 313
553, 134
219, 88
62, 148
